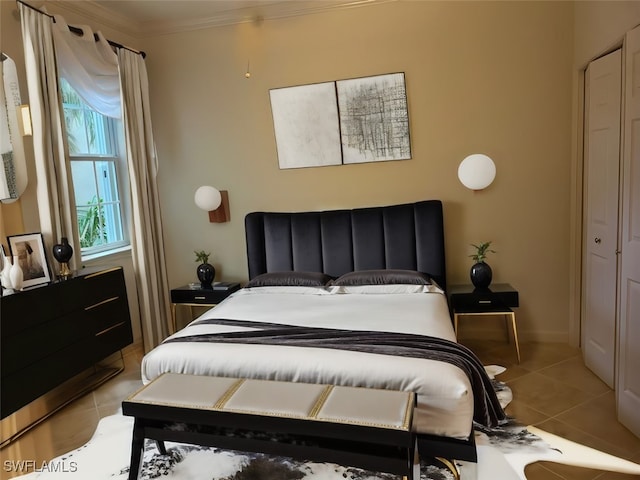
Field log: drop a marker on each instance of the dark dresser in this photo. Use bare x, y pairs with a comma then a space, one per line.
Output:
51, 333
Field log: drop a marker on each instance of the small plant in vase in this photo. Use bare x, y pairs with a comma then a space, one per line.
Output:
205, 271
481, 273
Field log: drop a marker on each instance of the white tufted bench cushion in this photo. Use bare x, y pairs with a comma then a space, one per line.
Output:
360, 427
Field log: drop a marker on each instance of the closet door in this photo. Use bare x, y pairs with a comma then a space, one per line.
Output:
600, 238
628, 385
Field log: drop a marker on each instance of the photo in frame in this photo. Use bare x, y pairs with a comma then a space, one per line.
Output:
29, 248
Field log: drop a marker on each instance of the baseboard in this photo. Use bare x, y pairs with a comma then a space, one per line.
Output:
523, 335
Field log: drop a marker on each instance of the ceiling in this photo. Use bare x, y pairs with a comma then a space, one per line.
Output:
148, 17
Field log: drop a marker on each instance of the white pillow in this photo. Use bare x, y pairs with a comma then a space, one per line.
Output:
288, 289
396, 288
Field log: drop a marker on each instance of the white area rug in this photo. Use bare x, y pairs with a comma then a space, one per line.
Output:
502, 454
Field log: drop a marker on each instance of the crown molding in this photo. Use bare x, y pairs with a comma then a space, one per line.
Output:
266, 11
94, 11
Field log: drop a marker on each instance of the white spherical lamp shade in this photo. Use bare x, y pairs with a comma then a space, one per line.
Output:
207, 198
477, 171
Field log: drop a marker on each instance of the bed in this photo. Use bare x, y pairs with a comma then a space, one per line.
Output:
351, 297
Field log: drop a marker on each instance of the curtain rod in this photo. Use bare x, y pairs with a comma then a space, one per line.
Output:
79, 31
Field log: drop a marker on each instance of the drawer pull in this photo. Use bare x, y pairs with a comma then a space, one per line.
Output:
109, 329
103, 272
199, 298
484, 301
112, 299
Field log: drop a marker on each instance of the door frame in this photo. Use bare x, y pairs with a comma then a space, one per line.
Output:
576, 210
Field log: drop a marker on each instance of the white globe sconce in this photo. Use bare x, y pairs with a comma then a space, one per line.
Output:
214, 201
477, 171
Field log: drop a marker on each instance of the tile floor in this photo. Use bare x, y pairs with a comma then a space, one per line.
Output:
552, 390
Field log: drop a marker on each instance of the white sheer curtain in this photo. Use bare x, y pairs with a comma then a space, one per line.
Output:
148, 244
90, 66
56, 206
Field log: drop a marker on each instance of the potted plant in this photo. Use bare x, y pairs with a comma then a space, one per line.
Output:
206, 272
481, 273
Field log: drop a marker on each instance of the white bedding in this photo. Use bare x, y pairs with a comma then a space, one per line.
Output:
445, 400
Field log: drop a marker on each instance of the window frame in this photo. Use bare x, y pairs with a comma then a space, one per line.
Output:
114, 138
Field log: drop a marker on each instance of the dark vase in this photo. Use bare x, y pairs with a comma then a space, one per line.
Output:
206, 274
63, 252
481, 275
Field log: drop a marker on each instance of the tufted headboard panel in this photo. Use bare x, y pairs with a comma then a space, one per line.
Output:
408, 236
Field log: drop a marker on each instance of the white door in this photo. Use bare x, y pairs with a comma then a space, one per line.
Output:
600, 237
628, 385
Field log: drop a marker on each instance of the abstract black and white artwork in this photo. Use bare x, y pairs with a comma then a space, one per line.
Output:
374, 121
305, 120
342, 122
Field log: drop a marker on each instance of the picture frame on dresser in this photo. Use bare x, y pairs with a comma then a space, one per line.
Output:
29, 248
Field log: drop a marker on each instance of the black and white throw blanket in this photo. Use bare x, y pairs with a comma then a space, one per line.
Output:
487, 409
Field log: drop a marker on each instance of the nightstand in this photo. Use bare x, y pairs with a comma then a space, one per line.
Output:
196, 296
498, 299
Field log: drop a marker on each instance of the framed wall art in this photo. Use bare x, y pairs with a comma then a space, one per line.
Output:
305, 120
374, 120
342, 122
29, 248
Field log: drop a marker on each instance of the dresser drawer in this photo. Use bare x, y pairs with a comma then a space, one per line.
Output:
95, 288
201, 295
107, 313
35, 344
34, 380
111, 339
22, 311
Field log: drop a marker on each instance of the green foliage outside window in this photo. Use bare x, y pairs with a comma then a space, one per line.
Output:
92, 224
76, 115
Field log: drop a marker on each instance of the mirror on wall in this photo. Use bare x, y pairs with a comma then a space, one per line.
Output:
13, 121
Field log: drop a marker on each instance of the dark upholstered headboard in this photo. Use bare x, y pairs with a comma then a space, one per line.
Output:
409, 236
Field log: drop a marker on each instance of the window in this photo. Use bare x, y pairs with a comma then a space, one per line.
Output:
98, 171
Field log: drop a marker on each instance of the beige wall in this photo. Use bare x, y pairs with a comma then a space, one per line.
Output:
600, 26
481, 77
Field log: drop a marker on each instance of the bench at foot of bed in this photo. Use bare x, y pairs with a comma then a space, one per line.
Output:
359, 427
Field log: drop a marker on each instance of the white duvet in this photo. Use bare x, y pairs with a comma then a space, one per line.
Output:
445, 400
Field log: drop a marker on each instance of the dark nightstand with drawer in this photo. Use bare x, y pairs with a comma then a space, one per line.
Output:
196, 296
498, 299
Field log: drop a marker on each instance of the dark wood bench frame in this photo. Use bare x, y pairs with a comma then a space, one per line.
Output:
370, 448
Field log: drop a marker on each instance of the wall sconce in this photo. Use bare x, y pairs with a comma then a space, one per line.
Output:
477, 171
214, 201
24, 120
